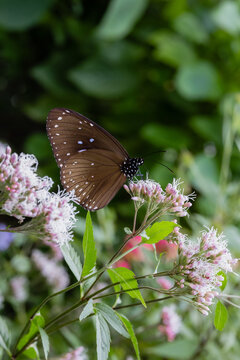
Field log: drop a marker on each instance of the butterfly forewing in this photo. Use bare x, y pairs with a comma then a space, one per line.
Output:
70, 132
95, 177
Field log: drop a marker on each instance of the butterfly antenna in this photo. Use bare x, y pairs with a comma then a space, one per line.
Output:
166, 167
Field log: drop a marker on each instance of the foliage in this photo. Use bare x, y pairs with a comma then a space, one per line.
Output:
159, 75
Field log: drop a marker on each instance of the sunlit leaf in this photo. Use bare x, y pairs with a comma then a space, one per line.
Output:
127, 282
130, 330
89, 249
72, 259
158, 231
221, 316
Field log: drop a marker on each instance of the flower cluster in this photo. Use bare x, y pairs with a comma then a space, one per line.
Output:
171, 200
55, 274
24, 194
78, 354
200, 263
18, 285
170, 322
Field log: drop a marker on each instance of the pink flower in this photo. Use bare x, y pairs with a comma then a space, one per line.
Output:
78, 354
136, 254
170, 322
18, 285
25, 194
200, 263
170, 249
164, 282
122, 263
171, 200
52, 271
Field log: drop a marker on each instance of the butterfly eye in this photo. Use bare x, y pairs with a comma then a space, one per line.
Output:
92, 162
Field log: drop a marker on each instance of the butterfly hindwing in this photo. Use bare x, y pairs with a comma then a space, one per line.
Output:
94, 176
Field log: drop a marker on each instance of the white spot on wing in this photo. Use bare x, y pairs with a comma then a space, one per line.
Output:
80, 142
91, 140
59, 118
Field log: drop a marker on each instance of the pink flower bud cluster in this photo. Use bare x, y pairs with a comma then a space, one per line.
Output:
24, 194
18, 285
172, 199
78, 354
19, 184
54, 273
170, 322
200, 263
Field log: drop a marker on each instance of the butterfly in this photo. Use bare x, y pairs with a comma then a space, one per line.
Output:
92, 162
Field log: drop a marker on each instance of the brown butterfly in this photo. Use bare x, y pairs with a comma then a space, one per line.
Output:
92, 162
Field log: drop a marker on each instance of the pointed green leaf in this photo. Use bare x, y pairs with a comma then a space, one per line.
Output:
158, 231
36, 322
87, 310
127, 282
72, 259
32, 352
103, 337
112, 26
221, 316
111, 317
5, 337
130, 330
89, 250
45, 342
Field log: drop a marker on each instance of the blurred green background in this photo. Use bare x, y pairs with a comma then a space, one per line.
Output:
157, 74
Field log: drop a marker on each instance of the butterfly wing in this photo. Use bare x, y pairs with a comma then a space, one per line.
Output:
95, 177
70, 132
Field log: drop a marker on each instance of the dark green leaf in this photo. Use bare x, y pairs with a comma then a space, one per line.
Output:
89, 250
120, 18
103, 79
127, 282
221, 316
130, 330
111, 317
19, 15
158, 231
72, 259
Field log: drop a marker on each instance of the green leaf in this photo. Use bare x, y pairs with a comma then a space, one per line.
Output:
36, 322
5, 336
87, 310
112, 318
32, 352
198, 81
89, 250
130, 330
178, 349
172, 49
227, 16
103, 337
221, 316
158, 231
120, 18
19, 15
127, 282
188, 25
72, 259
224, 283
45, 342
103, 79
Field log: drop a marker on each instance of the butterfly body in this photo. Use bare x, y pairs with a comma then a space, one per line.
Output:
92, 162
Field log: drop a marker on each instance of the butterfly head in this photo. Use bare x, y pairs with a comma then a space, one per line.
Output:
130, 166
